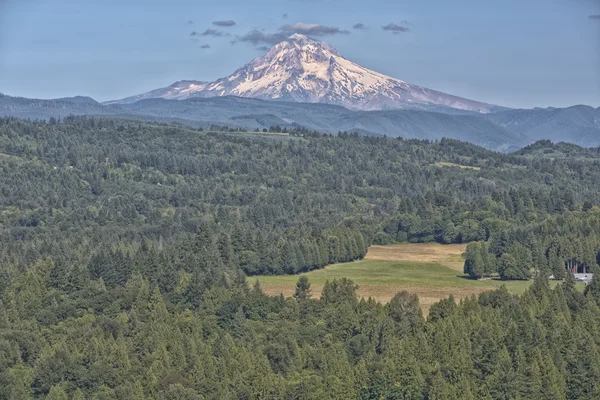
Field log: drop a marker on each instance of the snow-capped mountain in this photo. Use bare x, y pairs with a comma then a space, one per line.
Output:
305, 70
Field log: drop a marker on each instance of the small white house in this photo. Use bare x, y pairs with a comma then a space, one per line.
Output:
585, 278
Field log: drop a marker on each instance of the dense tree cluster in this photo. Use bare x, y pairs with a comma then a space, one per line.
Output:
137, 341
283, 203
557, 246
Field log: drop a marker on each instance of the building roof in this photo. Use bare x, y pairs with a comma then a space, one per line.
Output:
583, 277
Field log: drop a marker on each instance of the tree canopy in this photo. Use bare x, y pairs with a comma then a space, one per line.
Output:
125, 248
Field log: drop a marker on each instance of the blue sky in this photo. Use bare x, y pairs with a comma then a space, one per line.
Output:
523, 53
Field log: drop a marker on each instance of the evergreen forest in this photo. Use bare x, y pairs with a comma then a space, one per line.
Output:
128, 250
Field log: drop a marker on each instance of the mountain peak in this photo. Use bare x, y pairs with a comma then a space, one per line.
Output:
299, 36
298, 43
302, 69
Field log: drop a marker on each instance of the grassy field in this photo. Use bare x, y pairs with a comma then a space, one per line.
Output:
432, 271
449, 164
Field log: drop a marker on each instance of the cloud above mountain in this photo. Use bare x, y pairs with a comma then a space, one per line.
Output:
359, 25
312, 29
395, 28
224, 23
256, 37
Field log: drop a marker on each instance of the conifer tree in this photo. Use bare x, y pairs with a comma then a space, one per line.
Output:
302, 289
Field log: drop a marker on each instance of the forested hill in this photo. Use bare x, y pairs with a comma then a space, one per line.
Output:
270, 203
561, 149
125, 246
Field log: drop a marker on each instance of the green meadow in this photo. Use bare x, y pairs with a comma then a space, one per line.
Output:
438, 276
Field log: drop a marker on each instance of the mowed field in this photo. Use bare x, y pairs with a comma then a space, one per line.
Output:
432, 271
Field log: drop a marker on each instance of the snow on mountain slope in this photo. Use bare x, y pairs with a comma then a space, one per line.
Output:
177, 91
305, 70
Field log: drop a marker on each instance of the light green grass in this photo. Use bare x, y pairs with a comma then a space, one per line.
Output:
393, 273
382, 279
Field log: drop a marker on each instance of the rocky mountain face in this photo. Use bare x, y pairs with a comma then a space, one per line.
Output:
304, 70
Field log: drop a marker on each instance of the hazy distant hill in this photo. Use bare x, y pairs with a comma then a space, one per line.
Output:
502, 131
577, 124
21, 107
253, 113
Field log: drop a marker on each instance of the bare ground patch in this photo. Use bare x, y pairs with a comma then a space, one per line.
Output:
418, 252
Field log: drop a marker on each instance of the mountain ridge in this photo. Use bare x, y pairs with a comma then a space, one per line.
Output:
501, 131
250, 113
578, 124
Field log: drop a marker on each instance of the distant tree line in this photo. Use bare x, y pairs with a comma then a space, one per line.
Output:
559, 245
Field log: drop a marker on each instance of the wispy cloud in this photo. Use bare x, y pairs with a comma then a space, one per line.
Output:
594, 17
224, 23
284, 16
395, 28
257, 37
263, 48
312, 29
261, 38
190, 22
205, 46
360, 25
209, 32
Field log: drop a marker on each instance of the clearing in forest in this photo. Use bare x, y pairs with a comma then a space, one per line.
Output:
449, 164
432, 271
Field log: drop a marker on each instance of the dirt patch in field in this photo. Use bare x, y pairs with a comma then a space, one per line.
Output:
383, 294
418, 252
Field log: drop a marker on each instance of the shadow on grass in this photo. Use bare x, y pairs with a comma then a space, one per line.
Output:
491, 278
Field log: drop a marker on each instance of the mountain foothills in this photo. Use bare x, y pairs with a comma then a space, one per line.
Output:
578, 124
304, 70
126, 247
502, 131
